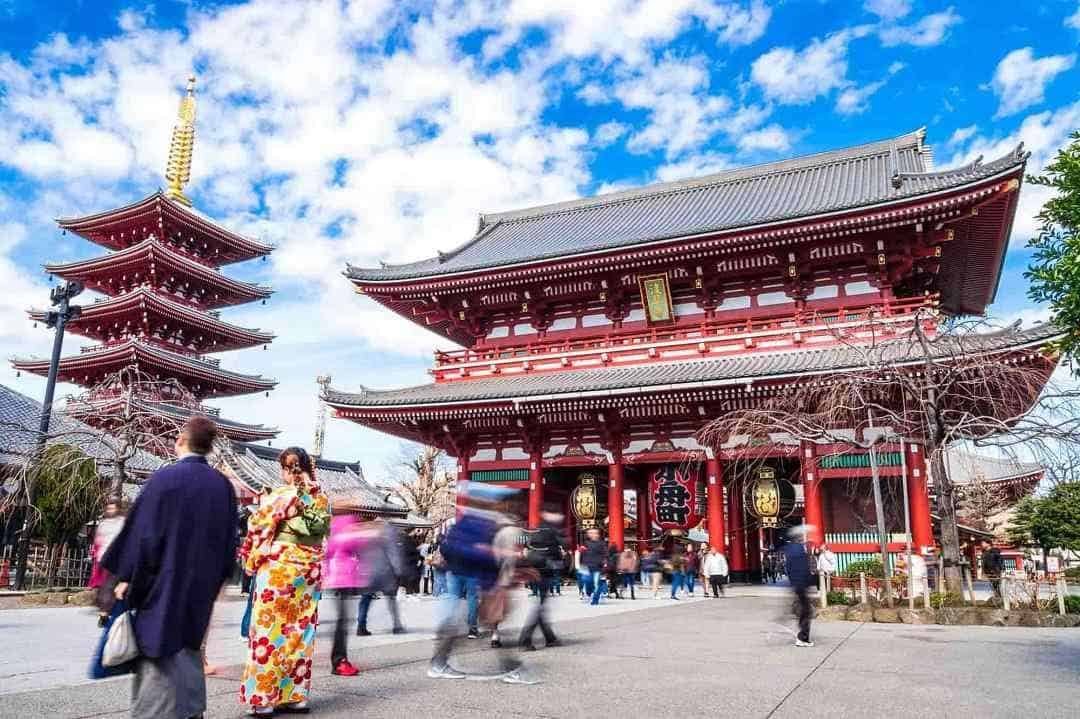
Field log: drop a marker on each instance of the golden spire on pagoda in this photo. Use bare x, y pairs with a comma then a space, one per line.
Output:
178, 171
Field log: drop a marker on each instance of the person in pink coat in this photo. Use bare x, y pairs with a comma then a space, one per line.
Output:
346, 574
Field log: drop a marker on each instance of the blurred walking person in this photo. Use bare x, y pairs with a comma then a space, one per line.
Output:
544, 552
345, 574
385, 559
798, 570
284, 549
678, 571
692, 568
628, 569
716, 568
650, 565
468, 549
170, 559
101, 579
594, 557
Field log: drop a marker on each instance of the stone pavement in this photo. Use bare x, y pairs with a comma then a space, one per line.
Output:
647, 658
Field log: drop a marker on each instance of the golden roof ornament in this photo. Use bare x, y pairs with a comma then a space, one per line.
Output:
178, 171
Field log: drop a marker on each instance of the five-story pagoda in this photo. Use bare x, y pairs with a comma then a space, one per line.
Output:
162, 288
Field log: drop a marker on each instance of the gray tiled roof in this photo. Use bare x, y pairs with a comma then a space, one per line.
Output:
884, 171
719, 371
19, 419
965, 467
257, 466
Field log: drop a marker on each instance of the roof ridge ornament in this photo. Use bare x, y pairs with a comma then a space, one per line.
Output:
178, 169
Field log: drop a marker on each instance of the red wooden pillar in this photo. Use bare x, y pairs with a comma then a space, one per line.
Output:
714, 493
644, 513
922, 530
463, 476
615, 501
737, 549
536, 488
812, 514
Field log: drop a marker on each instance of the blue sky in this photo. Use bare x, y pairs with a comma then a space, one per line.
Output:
377, 130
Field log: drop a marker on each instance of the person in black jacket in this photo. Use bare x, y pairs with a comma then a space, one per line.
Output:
544, 553
594, 558
798, 570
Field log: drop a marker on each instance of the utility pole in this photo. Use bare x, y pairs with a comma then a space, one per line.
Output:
879, 509
323, 381
61, 297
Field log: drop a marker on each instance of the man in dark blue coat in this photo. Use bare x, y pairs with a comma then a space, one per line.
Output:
798, 571
175, 551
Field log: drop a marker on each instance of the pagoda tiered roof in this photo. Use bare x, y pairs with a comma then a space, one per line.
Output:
154, 317
157, 264
203, 377
161, 216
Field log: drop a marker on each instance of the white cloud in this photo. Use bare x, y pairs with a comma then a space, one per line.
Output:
855, 100
609, 132
696, 166
1020, 79
961, 135
772, 138
797, 77
682, 113
1073, 20
619, 29
888, 9
928, 31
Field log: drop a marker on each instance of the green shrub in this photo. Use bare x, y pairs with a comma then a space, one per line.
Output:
945, 599
1072, 604
838, 597
1072, 573
871, 567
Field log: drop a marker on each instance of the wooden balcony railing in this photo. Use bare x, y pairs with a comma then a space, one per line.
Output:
670, 342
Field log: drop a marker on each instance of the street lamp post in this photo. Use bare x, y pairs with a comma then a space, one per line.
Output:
61, 297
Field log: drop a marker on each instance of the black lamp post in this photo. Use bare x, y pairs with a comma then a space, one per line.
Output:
61, 297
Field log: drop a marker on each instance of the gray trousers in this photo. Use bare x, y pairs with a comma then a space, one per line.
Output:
171, 687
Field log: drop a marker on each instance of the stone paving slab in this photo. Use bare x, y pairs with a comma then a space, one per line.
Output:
729, 657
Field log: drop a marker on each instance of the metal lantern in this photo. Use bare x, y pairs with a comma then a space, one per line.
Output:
583, 501
769, 498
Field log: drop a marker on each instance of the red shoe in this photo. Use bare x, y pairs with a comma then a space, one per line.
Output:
345, 668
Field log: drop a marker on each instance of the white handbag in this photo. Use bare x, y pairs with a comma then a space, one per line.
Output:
120, 645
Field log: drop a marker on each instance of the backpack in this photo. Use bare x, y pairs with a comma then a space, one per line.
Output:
466, 548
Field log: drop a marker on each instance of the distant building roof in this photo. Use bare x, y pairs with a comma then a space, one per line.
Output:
863, 176
256, 467
19, 419
966, 467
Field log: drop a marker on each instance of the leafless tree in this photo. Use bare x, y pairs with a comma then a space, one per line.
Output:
137, 413
935, 382
425, 483
979, 499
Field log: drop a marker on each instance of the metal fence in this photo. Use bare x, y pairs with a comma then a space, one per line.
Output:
72, 568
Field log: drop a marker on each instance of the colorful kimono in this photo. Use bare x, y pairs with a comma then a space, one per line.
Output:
284, 550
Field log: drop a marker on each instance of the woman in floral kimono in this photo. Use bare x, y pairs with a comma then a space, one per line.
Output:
284, 551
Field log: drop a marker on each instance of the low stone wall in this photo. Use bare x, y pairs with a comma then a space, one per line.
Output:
967, 616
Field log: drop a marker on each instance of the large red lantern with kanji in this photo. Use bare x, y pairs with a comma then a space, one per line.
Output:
676, 503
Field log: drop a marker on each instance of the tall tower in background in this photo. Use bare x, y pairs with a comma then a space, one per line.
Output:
163, 288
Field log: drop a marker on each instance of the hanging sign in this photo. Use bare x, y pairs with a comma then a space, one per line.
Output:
656, 299
675, 501
583, 501
768, 498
